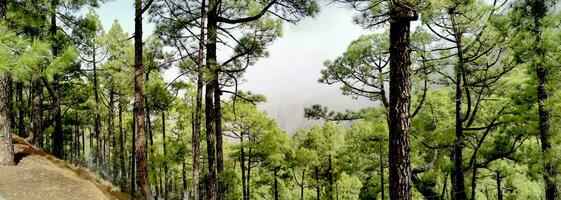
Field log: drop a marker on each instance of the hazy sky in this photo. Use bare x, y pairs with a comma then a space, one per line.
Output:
288, 77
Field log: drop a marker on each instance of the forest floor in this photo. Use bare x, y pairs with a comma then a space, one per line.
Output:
40, 176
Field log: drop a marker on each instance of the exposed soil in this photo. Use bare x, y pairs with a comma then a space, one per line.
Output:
39, 176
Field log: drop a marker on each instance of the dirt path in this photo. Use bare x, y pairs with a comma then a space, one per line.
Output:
39, 176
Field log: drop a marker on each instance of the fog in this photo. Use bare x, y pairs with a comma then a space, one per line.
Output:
288, 77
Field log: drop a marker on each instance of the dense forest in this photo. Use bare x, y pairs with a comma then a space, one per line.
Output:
465, 94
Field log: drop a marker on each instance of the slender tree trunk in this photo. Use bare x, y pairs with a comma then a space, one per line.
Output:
248, 183
111, 132
133, 158
539, 10
184, 189
499, 186
166, 170
382, 188
160, 178
97, 118
77, 139
83, 145
242, 167
330, 178
151, 140
302, 183
198, 107
275, 171
218, 130
21, 113
57, 136
400, 100
139, 108
458, 185
209, 101
473, 183
318, 197
36, 137
122, 146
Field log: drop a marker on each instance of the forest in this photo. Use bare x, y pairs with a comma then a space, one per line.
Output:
465, 99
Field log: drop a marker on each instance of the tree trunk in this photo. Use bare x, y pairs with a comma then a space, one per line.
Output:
198, 108
6, 146
76, 148
400, 100
133, 158
218, 130
248, 183
184, 190
275, 171
97, 118
139, 108
121, 146
458, 185
166, 170
382, 188
473, 183
209, 95
111, 132
21, 113
242, 167
330, 178
499, 186
318, 197
57, 135
539, 10
36, 137
302, 183
151, 140
83, 146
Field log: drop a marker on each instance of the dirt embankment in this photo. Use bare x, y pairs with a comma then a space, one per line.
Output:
40, 176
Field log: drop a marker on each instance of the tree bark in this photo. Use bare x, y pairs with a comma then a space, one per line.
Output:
458, 183
36, 136
57, 136
21, 113
499, 186
6, 146
400, 100
539, 10
218, 131
318, 189
212, 28
184, 189
302, 183
133, 158
275, 171
111, 133
198, 108
382, 188
139, 100
121, 146
166, 170
242, 167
